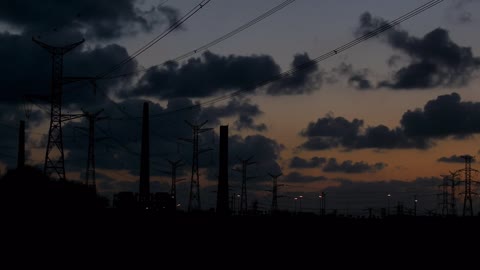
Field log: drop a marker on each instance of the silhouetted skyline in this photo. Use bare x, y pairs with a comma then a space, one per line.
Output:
386, 117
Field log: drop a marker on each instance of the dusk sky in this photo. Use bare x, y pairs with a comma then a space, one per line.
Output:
389, 115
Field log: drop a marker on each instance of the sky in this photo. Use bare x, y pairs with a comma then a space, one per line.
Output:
388, 116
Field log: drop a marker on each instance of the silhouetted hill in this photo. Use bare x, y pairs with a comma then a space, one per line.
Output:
28, 190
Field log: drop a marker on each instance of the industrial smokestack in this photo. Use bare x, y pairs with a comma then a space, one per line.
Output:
222, 192
145, 158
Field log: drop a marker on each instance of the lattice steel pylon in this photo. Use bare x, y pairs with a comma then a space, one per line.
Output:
54, 156
90, 171
467, 199
194, 202
453, 198
173, 188
445, 204
243, 194
275, 177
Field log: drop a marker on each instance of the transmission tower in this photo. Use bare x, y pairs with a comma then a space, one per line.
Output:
194, 198
453, 196
445, 204
92, 118
54, 156
243, 194
467, 199
173, 189
275, 177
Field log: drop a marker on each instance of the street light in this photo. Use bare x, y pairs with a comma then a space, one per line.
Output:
238, 204
300, 201
320, 197
388, 204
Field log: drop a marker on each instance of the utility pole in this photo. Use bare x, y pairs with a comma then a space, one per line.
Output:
467, 199
21, 145
92, 118
194, 198
275, 186
54, 155
243, 194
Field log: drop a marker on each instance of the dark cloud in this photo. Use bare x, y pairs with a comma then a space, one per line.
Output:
349, 166
307, 80
296, 177
205, 76
444, 116
320, 143
393, 60
121, 132
170, 13
247, 122
213, 74
465, 17
332, 127
93, 18
120, 150
383, 137
463, 3
453, 159
435, 60
265, 153
461, 11
242, 108
355, 78
264, 149
360, 82
29, 70
315, 162
330, 132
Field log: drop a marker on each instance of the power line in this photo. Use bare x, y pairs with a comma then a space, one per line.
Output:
204, 47
309, 64
147, 46
163, 3
216, 41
